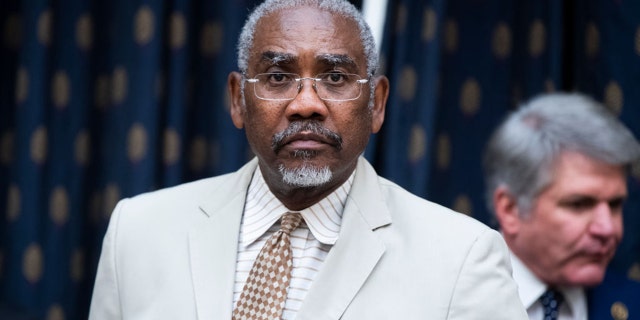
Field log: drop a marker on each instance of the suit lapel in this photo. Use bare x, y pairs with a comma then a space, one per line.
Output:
213, 246
355, 254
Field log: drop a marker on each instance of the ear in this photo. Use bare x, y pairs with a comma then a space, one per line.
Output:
381, 93
507, 212
237, 107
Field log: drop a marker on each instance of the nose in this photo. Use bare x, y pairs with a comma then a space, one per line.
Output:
307, 104
606, 221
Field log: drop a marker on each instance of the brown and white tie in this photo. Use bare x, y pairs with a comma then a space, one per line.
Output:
265, 291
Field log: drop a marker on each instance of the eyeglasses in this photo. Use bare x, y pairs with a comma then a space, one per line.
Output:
333, 86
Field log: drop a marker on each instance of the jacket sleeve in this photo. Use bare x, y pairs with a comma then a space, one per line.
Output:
485, 288
105, 302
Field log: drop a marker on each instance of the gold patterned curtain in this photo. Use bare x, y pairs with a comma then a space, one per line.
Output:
101, 100
458, 67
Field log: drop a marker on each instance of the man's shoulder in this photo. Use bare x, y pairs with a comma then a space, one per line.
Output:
188, 197
617, 297
184, 190
424, 213
198, 188
400, 196
195, 185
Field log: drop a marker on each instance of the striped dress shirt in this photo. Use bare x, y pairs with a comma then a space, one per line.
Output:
310, 242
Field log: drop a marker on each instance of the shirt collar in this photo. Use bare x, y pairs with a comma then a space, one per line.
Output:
263, 209
530, 288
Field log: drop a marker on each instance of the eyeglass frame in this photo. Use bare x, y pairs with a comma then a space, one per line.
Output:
299, 81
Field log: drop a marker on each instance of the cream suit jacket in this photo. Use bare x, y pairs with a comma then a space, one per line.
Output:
171, 254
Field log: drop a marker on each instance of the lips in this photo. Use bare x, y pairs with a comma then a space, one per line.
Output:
309, 139
306, 135
600, 252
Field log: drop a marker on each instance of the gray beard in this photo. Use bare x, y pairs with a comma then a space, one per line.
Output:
305, 176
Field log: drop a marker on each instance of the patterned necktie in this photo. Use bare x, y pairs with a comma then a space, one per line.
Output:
265, 291
551, 300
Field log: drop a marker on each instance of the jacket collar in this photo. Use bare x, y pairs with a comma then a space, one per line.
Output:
213, 247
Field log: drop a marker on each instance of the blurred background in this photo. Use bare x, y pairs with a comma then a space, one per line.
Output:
101, 100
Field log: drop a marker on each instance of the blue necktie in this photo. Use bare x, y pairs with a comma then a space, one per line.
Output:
551, 301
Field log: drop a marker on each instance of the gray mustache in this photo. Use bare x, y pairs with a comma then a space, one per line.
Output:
299, 126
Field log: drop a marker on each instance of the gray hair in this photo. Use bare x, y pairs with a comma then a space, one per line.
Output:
522, 151
341, 7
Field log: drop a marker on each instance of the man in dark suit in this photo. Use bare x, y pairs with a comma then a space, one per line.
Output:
556, 174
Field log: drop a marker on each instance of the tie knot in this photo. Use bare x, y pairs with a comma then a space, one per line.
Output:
550, 296
290, 221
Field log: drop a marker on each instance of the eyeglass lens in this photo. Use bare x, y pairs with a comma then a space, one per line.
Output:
328, 86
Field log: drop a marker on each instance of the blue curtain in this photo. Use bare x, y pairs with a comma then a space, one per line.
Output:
458, 67
101, 100
606, 63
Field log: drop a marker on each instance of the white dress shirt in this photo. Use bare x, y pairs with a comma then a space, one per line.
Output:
310, 242
530, 288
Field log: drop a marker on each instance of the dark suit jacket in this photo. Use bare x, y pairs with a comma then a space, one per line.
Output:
617, 297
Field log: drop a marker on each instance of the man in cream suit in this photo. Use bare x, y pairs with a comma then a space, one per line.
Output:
556, 178
308, 99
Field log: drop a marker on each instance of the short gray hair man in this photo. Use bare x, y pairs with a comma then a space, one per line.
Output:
521, 152
556, 173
